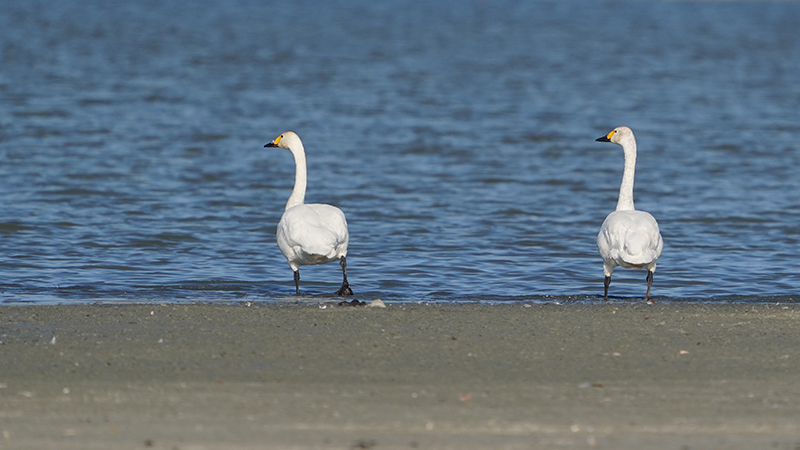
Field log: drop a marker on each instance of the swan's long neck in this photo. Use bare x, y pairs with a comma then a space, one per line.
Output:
625, 201
299, 191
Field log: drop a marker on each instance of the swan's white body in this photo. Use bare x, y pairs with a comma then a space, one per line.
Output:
628, 238
314, 233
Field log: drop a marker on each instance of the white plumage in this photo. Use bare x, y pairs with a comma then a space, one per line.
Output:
310, 234
628, 238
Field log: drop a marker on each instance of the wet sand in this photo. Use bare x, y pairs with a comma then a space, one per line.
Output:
614, 376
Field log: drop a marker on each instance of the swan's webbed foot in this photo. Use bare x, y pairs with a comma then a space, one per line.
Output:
345, 289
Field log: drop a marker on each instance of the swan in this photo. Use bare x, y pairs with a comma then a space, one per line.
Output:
628, 238
314, 233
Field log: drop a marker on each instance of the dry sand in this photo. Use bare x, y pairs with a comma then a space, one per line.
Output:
609, 376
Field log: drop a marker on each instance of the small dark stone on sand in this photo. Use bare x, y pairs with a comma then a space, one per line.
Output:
353, 303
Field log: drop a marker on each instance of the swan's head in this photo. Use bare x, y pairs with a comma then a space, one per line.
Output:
285, 140
617, 135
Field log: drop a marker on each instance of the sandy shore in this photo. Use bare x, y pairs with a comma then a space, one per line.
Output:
615, 376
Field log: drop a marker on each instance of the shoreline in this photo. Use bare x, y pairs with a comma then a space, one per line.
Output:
189, 376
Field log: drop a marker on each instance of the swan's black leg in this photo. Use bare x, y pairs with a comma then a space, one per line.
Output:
345, 289
297, 282
606, 283
649, 284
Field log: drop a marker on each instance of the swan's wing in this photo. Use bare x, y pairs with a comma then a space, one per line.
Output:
313, 230
630, 239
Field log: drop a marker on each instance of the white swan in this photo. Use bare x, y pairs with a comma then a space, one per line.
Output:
314, 233
628, 238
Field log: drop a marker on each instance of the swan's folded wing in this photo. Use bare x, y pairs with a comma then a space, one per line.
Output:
313, 229
630, 238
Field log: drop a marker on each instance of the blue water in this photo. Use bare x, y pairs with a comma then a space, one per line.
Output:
457, 136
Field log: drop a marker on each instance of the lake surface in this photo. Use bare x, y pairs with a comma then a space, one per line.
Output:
458, 137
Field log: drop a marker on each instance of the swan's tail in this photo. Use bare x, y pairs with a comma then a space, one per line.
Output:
640, 248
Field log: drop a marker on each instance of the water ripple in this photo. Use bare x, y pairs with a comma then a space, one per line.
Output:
458, 139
